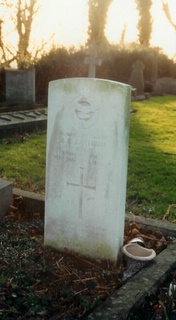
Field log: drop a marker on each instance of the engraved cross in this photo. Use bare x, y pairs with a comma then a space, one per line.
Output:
82, 186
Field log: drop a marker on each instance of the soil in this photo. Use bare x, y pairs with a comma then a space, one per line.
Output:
37, 282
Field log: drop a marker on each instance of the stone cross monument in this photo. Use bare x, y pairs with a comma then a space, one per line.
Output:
92, 61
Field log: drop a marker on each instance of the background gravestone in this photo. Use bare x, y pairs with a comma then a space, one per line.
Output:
137, 78
87, 147
20, 86
92, 61
164, 85
154, 74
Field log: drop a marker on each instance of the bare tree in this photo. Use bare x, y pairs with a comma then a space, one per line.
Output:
24, 18
122, 38
5, 52
167, 14
24, 12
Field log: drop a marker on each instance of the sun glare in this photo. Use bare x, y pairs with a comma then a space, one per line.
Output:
164, 35
121, 15
65, 23
65, 20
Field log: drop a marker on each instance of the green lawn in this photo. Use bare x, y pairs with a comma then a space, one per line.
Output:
152, 159
22, 161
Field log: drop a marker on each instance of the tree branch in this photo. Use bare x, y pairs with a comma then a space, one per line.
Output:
167, 13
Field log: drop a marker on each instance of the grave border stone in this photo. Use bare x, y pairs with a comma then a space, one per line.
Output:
22, 121
6, 196
132, 293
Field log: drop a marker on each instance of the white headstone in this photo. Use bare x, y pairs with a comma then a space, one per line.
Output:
87, 147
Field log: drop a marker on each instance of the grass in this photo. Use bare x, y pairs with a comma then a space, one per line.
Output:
152, 159
22, 161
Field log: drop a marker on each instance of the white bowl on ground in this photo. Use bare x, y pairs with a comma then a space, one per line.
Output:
136, 257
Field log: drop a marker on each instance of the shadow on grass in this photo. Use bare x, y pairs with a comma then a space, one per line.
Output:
151, 172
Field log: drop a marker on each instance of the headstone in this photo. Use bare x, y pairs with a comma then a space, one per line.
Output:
92, 61
6, 196
164, 85
86, 172
154, 74
137, 78
20, 86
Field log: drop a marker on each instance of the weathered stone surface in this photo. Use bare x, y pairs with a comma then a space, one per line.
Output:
92, 61
87, 147
164, 85
22, 121
119, 305
6, 196
32, 202
20, 86
137, 78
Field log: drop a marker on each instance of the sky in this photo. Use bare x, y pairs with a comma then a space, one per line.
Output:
67, 21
